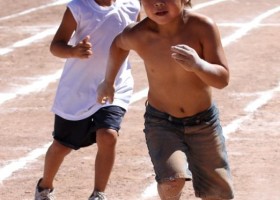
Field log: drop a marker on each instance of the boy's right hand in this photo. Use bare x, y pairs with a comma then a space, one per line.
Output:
83, 49
105, 93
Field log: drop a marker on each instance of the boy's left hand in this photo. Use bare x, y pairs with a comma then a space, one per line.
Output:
83, 49
105, 92
186, 56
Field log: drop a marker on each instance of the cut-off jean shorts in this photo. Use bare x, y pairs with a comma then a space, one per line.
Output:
82, 133
191, 147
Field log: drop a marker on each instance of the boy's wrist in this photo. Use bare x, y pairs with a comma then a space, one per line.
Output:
109, 81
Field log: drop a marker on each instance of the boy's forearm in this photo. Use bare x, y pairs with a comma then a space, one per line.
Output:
116, 58
62, 50
213, 75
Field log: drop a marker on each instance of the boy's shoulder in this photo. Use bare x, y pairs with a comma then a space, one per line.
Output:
138, 29
197, 17
135, 32
132, 28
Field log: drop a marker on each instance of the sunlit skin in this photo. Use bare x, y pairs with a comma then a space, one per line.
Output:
183, 57
59, 45
106, 139
163, 12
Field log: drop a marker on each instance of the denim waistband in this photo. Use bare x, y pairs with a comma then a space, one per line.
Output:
197, 118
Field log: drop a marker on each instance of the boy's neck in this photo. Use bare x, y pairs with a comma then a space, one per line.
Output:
105, 2
172, 29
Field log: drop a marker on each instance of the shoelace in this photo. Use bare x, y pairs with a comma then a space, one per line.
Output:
98, 195
46, 195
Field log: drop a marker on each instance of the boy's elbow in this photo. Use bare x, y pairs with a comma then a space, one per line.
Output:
60, 50
52, 49
224, 80
223, 84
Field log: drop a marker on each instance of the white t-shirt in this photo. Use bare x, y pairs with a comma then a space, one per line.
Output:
77, 90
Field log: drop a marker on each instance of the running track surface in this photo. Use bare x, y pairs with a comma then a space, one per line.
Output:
249, 106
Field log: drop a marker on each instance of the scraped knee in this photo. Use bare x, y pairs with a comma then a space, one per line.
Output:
171, 190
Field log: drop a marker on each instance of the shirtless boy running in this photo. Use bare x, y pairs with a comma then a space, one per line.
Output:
184, 59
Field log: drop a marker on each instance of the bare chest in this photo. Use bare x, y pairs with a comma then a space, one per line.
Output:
156, 52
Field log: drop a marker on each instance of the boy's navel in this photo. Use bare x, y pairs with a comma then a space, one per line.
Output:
182, 110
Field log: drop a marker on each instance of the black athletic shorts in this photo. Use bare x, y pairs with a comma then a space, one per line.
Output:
82, 133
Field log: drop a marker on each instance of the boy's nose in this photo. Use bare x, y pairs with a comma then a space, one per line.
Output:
159, 4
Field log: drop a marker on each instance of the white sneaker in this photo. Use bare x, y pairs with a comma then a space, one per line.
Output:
45, 194
97, 196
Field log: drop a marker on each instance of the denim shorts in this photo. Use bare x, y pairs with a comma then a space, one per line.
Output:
82, 133
178, 146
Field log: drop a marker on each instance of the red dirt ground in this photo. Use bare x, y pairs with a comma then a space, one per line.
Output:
252, 142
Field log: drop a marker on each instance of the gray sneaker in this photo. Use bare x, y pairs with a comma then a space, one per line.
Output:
97, 196
43, 194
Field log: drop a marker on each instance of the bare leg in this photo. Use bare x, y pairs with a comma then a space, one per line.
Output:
106, 140
53, 159
171, 190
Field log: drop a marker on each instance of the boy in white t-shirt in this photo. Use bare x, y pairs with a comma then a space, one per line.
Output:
84, 37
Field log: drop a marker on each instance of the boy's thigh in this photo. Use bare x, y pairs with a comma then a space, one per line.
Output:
109, 117
166, 149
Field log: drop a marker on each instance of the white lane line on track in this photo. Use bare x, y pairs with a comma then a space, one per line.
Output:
8, 96
251, 108
61, 2
15, 165
151, 190
7, 170
11, 168
145, 193
207, 4
250, 26
239, 25
56, 3
51, 31
264, 97
36, 86
28, 41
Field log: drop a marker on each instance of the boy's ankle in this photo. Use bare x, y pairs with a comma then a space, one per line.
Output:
41, 186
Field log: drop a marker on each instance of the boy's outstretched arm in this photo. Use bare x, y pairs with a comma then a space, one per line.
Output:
116, 57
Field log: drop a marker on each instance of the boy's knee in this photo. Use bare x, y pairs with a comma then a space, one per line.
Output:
107, 137
59, 149
171, 190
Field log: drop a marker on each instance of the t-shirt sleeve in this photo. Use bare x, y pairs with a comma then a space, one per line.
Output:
133, 8
75, 9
